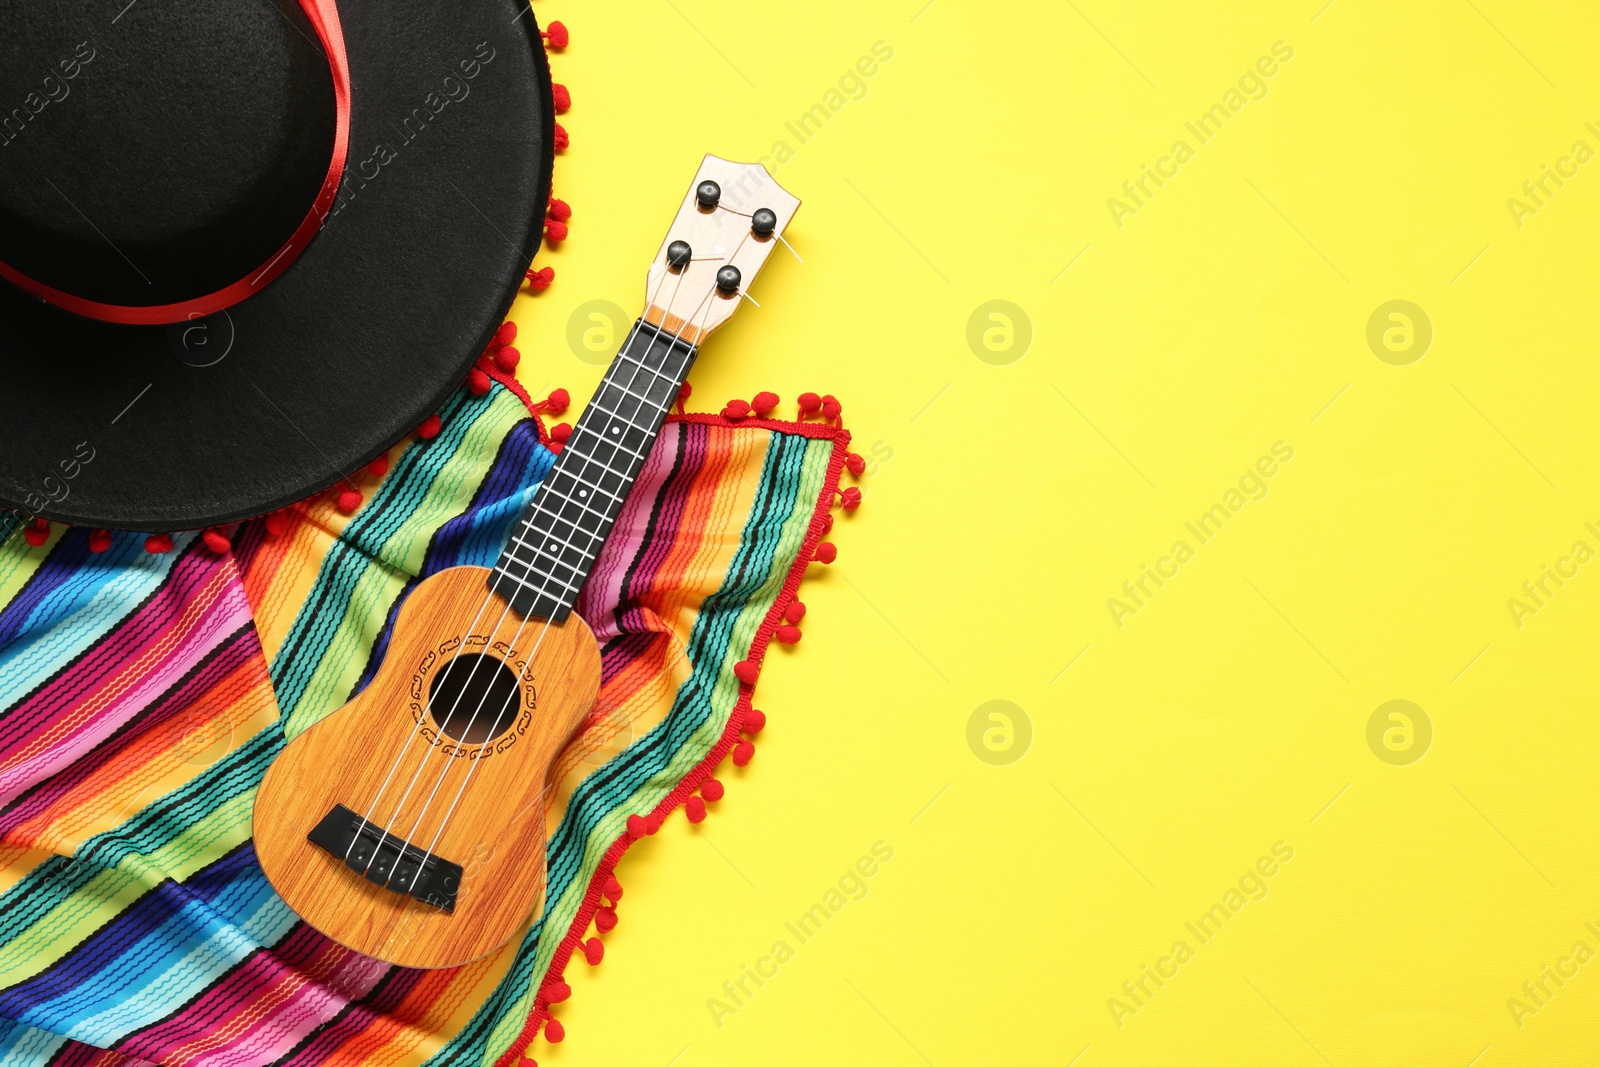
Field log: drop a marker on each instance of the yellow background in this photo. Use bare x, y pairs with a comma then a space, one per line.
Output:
1168, 354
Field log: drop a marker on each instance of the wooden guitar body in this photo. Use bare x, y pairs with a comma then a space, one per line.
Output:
463, 720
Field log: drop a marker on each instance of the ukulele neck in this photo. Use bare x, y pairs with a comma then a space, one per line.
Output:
553, 548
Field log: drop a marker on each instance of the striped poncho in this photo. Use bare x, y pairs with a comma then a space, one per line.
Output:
143, 696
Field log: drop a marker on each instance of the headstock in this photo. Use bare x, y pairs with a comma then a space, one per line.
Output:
693, 296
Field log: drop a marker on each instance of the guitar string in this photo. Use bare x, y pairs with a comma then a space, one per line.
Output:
511, 645
416, 729
775, 233
366, 820
706, 303
633, 379
543, 590
467, 779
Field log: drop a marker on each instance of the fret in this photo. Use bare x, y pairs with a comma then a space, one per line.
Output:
540, 505
655, 415
616, 418
624, 404
556, 478
641, 399
593, 420
606, 473
615, 446
562, 538
543, 588
655, 333
565, 526
563, 574
626, 358
609, 457
544, 550
601, 515
660, 375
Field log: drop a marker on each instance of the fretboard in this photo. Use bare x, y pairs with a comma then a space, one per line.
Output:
553, 548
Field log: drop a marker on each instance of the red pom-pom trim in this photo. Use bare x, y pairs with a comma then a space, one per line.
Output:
743, 753
613, 888
477, 381
560, 432
789, 635
561, 140
507, 359
605, 920
559, 210
158, 544
652, 822
555, 35
855, 464
557, 991
379, 467
349, 501
506, 333
712, 790
810, 404
763, 403
755, 721
217, 541
554, 1032
746, 671
555, 231
851, 498
556, 403
38, 533
695, 809
277, 523
794, 612
594, 951
827, 552
563, 98
430, 428
830, 407
636, 827
735, 409
539, 280
99, 541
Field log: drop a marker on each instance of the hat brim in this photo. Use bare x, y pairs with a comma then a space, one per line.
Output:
294, 390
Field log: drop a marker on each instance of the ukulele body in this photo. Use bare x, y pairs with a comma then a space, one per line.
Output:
475, 878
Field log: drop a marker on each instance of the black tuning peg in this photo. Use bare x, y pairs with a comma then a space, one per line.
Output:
764, 222
678, 254
708, 194
728, 279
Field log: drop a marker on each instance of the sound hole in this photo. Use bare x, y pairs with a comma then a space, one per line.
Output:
474, 698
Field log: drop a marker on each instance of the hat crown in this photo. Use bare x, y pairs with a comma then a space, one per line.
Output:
157, 151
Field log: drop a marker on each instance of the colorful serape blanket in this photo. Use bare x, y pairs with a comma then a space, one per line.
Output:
143, 696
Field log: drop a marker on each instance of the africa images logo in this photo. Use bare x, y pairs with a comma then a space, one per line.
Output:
1253, 885
52, 89
1252, 85
1139, 591
453, 89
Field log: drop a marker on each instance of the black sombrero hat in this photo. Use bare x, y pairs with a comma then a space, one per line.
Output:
247, 245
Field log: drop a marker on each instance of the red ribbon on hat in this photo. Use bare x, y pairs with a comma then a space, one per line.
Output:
324, 18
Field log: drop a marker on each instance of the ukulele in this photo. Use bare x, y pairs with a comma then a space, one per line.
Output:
409, 825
